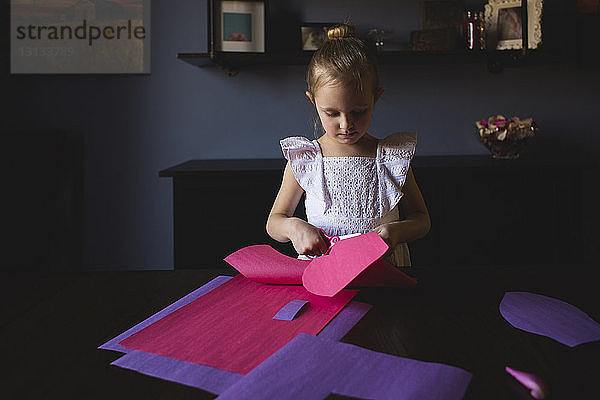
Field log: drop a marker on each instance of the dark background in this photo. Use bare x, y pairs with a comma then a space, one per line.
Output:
82, 152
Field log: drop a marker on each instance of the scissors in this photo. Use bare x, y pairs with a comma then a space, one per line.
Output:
331, 240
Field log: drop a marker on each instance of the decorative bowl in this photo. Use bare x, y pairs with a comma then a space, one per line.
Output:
505, 138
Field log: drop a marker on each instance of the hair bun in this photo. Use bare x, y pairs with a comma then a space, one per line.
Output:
341, 31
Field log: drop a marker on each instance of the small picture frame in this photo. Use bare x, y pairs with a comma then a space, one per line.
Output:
504, 24
313, 35
240, 26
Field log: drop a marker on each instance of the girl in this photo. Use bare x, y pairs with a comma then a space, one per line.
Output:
353, 182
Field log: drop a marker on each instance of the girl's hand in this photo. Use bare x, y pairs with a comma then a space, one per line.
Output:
308, 239
386, 232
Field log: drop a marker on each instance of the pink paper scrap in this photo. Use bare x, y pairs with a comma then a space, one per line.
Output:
537, 386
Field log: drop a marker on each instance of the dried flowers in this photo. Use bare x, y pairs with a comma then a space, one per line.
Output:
505, 137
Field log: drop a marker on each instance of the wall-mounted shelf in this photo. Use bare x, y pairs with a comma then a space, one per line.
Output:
225, 59
282, 47
232, 62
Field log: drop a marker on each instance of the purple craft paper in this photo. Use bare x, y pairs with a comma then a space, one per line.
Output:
290, 310
338, 327
309, 367
204, 377
214, 380
199, 376
549, 317
114, 345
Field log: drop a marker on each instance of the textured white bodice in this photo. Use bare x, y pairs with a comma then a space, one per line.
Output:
346, 195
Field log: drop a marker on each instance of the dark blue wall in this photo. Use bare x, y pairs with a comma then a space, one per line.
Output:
134, 126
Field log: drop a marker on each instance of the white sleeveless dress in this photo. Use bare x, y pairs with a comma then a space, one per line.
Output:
346, 195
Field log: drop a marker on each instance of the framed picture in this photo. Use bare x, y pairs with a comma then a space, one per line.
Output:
504, 24
313, 35
240, 26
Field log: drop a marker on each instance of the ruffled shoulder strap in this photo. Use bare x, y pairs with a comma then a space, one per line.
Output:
394, 155
399, 145
306, 162
298, 147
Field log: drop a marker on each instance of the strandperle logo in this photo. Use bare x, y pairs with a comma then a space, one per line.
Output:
83, 32
80, 36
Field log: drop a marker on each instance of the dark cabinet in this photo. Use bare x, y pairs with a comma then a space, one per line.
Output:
491, 212
483, 211
221, 206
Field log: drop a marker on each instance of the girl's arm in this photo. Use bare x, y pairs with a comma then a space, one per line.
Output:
283, 226
416, 223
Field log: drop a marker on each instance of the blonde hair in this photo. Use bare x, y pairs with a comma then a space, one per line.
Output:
343, 60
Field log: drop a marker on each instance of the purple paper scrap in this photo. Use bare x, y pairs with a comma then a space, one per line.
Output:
204, 377
309, 367
549, 317
290, 310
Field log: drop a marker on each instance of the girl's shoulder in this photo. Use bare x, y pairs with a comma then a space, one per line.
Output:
398, 145
295, 147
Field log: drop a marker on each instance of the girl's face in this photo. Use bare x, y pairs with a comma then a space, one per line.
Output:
345, 114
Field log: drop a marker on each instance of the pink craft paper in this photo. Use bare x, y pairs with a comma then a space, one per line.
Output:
262, 263
232, 327
213, 379
200, 376
330, 273
113, 344
355, 261
382, 273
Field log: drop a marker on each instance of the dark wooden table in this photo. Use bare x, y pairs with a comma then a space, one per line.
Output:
52, 325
